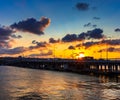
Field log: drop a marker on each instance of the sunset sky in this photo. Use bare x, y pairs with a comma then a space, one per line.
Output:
60, 28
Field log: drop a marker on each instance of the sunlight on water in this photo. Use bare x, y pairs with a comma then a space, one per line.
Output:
29, 84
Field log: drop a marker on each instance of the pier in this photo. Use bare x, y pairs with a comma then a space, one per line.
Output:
105, 67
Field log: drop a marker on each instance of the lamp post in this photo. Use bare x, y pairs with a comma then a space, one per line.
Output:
54, 51
64, 52
106, 52
107, 48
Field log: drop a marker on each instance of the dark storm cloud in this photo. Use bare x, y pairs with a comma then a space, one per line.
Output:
42, 54
5, 33
92, 34
96, 34
37, 45
112, 42
52, 40
16, 36
82, 36
117, 30
32, 25
16, 50
5, 30
110, 49
90, 44
69, 38
82, 6
96, 18
71, 47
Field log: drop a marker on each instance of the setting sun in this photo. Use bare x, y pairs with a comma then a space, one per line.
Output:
81, 55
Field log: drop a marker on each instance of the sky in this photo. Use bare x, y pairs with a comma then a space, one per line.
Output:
60, 28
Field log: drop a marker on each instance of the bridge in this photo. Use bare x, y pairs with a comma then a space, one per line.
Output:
105, 67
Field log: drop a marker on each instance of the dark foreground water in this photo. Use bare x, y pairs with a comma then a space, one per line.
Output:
30, 84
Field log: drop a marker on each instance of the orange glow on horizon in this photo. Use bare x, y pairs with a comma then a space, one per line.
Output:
81, 55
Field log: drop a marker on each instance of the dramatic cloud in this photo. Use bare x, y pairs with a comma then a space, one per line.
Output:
112, 42
92, 34
42, 44
89, 44
16, 36
86, 45
37, 45
71, 47
82, 6
96, 18
29, 25
16, 50
70, 38
49, 53
96, 33
117, 30
5, 33
32, 25
110, 49
82, 36
52, 40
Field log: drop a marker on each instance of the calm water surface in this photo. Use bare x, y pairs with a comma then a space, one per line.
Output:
30, 84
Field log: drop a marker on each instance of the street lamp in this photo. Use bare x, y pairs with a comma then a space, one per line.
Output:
107, 48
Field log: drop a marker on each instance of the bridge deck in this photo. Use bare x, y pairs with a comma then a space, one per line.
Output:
79, 66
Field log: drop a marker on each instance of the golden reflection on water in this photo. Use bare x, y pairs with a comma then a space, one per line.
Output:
42, 84
104, 79
30, 84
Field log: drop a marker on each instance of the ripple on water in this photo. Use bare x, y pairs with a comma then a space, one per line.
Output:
29, 84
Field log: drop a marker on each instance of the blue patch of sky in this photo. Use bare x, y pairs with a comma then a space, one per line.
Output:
65, 18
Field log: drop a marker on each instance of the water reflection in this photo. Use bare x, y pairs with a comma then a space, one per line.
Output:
29, 84
30, 96
106, 79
